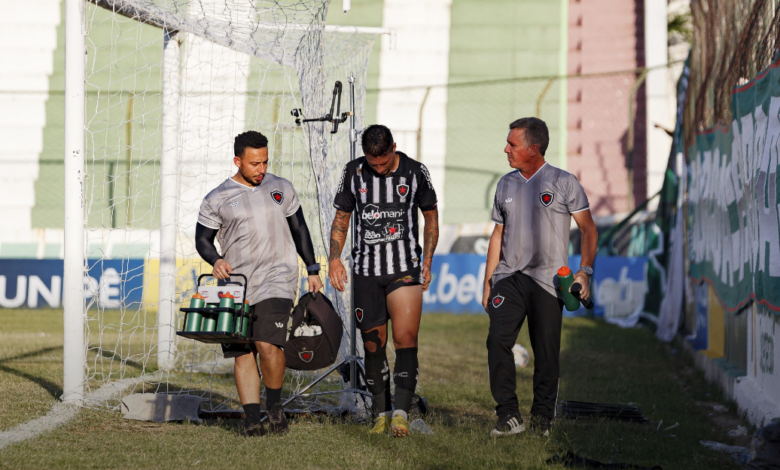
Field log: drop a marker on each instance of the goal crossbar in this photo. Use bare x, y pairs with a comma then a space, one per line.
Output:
153, 15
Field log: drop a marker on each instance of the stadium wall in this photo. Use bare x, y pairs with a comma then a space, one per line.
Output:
448, 87
734, 248
28, 40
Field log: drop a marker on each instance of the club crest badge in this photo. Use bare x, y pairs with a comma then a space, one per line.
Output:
306, 356
497, 301
277, 196
547, 198
402, 190
359, 314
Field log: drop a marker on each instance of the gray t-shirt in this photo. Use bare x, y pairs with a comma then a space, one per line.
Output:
253, 234
536, 215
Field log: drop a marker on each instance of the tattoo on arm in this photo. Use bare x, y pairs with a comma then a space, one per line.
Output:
431, 235
338, 234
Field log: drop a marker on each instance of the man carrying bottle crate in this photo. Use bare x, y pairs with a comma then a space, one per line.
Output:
259, 223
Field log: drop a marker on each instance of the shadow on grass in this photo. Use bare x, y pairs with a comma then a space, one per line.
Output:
52, 388
136, 365
603, 363
452, 417
30, 354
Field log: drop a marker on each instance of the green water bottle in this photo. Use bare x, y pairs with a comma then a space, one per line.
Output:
565, 280
242, 323
195, 319
209, 321
225, 320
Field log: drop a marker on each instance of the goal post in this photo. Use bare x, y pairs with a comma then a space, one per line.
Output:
165, 85
74, 357
169, 182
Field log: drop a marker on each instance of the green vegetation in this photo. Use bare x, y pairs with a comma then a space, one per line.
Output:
600, 363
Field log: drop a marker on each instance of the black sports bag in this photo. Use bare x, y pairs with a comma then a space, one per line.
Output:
314, 352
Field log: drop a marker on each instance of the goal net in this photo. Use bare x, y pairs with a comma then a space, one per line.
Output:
168, 85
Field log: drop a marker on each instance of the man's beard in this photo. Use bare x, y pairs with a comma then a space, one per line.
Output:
251, 180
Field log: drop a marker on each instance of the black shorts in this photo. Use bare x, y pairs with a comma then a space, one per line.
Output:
273, 316
371, 292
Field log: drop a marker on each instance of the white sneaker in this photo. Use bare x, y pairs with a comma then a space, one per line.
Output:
508, 425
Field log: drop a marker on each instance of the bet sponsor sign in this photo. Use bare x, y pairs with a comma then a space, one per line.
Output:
456, 284
618, 286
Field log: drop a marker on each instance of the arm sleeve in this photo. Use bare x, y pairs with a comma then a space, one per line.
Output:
498, 210
577, 200
302, 239
426, 195
345, 198
204, 243
208, 216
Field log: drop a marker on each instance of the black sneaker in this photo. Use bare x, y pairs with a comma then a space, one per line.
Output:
253, 429
277, 420
508, 425
540, 426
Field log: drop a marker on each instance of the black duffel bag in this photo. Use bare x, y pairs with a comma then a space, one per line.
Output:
314, 352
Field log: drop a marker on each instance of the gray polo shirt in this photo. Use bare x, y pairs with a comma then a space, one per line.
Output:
536, 215
253, 234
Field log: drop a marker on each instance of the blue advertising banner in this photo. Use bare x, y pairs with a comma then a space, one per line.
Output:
32, 283
456, 284
618, 288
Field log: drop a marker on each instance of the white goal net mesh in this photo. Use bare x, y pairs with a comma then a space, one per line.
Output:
232, 66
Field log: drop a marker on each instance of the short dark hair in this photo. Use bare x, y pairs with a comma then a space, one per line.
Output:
535, 132
252, 139
377, 140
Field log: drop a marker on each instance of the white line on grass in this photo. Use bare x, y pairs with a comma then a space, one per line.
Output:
61, 413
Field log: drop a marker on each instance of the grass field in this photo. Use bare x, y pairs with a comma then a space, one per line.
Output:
599, 363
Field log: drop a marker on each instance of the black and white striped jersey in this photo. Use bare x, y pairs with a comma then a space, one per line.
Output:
386, 209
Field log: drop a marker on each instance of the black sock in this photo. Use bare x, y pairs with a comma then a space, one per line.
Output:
382, 402
405, 377
403, 401
252, 413
377, 372
272, 396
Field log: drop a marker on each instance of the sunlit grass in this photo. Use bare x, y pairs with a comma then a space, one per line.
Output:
599, 363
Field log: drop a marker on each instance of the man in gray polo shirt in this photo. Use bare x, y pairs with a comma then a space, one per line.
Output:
258, 221
532, 210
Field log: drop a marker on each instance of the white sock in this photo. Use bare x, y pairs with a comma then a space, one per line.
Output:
401, 413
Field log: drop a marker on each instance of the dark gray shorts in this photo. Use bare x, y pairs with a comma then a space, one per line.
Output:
273, 316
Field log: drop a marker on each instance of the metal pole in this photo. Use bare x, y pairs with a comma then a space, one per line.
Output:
420, 124
353, 227
111, 196
541, 96
169, 181
129, 161
74, 353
